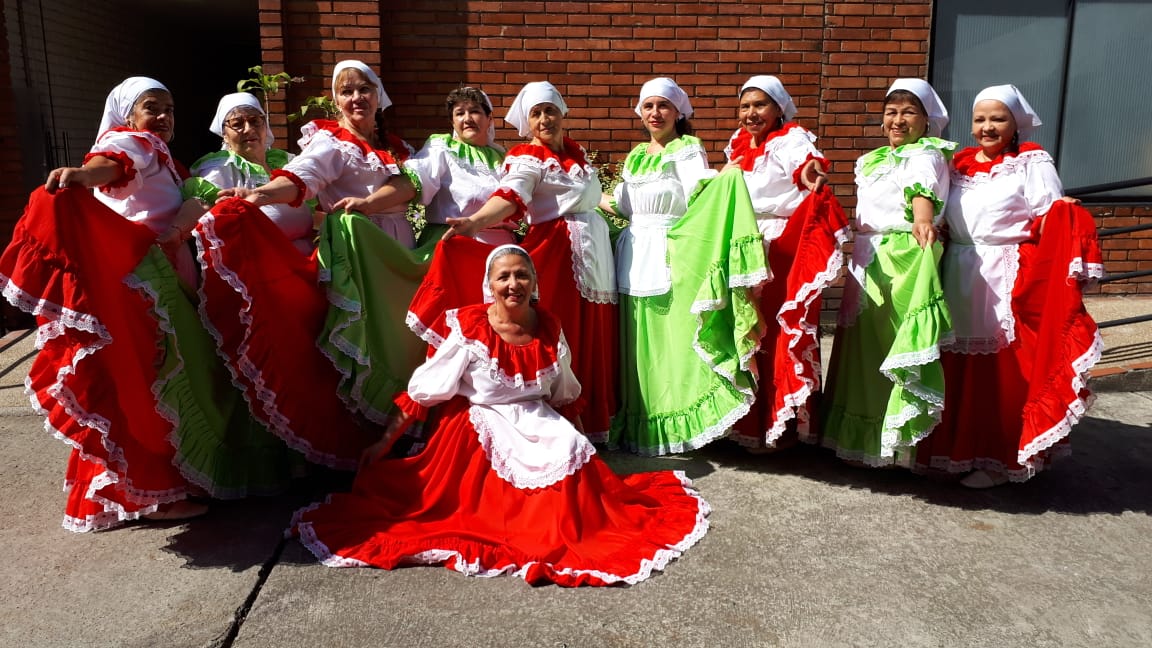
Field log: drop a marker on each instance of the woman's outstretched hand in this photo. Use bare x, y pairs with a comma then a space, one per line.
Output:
358, 205
460, 227
813, 175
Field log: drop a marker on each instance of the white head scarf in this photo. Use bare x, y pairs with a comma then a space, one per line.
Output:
937, 113
368, 74
230, 102
666, 88
533, 94
120, 102
1026, 119
773, 88
498, 252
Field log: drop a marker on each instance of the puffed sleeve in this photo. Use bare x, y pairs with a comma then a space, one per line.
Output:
318, 165
427, 169
565, 395
1042, 185
132, 154
438, 379
521, 178
774, 183
692, 170
926, 174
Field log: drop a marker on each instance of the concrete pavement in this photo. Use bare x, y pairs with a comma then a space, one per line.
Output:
803, 551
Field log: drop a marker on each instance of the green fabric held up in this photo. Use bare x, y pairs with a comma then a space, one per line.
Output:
685, 354
370, 279
219, 446
886, 383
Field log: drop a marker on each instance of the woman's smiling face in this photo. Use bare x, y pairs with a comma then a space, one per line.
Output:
758, 114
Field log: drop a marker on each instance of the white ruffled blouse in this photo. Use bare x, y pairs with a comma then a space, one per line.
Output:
528, 443
334, 165
149, 192
990, 212
654, 194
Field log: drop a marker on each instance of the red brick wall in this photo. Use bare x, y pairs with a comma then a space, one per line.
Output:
1130, 252
836, 59
12, 195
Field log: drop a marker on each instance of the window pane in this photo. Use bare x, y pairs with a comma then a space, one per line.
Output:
981, 43
1107, 134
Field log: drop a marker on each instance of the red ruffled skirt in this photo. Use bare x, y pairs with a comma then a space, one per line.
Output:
804, 260
591, 329
1012, 411
94, 375
262, 302
448, 506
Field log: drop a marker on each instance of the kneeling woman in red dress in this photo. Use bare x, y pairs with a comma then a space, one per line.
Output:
506, 484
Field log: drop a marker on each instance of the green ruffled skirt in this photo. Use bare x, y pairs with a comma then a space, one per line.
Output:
370, 279
685, 355
219, 446
885, 380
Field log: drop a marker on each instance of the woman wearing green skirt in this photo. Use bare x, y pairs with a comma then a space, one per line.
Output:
683, 267
886, 385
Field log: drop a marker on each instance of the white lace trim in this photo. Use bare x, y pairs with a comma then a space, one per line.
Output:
658, 562
425, 332
1017, 475
67, 317
809, 356
277, 422
1010, 164
584, 257
1086, 272
1007, 333
354, 400
721, 429
482, 353
551, 164
532, 477
352, 153
898, 457
1038, 454
1075, 410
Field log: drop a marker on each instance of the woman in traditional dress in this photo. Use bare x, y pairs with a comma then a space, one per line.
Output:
506, 484
246, 159
803, 228
1017, 258
885, 386
367, 273
125, 373
455, 173
550, 182
679, 392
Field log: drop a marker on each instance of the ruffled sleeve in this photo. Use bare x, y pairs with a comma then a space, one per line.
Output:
691, 167
318, 165
925, 174
427, 169
438, 379
1042, 185
131, 153
523, 171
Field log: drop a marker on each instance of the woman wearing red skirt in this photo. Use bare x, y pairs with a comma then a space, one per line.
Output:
1015, 378
506, 483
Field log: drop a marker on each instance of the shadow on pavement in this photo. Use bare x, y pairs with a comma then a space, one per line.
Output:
1108, 472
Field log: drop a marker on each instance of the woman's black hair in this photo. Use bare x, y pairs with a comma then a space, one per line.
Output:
467, 94
683, 126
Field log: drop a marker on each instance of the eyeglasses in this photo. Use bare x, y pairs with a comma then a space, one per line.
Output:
238, 124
